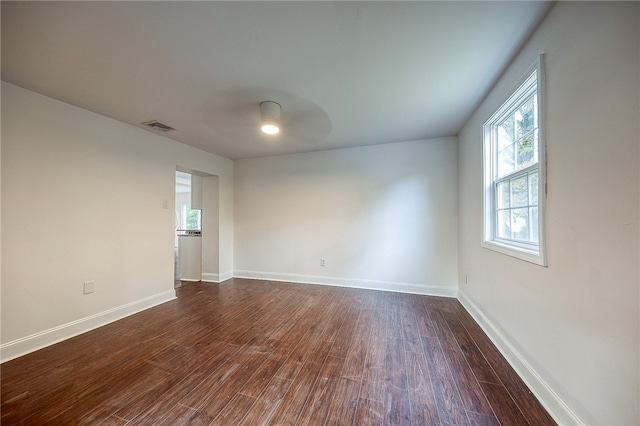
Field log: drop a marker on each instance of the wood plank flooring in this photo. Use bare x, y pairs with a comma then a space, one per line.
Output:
249, 352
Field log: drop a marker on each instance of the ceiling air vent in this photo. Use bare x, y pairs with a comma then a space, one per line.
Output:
156, 125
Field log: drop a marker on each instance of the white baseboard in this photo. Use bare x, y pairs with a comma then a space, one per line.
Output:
25, 345
210, 278
225, 276
429, 290
216, 278
554, 404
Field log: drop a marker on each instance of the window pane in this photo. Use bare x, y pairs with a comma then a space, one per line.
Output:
505, 133
524, 118
519, 192
504, 224
533, 223
505, 161
526, 152
533, 188
520, 224
193, 219
502, 192
505, 147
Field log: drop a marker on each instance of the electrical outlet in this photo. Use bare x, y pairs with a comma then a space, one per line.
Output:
88, 287
165, 204
322, 262
466, 280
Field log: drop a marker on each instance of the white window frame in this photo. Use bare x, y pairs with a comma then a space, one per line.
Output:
532, 82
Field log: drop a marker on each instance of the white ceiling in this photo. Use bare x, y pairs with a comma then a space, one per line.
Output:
345, 73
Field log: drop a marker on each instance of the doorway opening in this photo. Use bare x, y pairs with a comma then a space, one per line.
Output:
188, 235
196, 243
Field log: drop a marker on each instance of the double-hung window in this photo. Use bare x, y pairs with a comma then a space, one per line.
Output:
514, 173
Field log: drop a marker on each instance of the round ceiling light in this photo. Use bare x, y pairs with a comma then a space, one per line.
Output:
270, 115
270, 129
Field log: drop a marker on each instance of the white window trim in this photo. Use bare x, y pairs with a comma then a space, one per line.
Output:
524, 251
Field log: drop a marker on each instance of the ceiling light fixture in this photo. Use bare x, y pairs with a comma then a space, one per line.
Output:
270, 114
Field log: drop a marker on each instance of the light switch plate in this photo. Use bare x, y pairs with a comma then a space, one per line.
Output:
88, 287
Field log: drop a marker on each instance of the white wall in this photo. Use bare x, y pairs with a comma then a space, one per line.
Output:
82, 199
382, 216
570, 329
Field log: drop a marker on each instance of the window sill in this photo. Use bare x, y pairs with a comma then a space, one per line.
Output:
521, 253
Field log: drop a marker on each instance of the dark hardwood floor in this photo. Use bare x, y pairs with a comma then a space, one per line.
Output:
257, 352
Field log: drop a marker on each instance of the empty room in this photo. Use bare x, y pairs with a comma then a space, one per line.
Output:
309, 213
